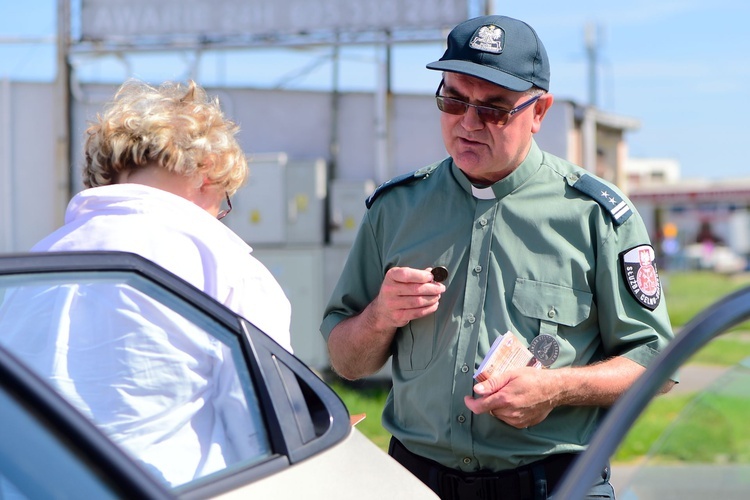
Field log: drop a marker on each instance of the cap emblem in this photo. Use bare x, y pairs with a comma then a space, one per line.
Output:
488, 38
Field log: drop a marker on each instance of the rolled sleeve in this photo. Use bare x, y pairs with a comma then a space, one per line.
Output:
628, 328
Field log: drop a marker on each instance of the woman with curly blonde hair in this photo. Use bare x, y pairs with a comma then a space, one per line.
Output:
175, 136
159, 163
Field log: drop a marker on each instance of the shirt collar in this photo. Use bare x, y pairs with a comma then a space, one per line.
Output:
505, 186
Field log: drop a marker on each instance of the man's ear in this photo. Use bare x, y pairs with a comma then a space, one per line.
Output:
541, 106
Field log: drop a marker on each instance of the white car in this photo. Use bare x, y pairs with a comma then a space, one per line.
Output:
48, 449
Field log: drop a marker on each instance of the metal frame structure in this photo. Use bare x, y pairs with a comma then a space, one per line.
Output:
97, 42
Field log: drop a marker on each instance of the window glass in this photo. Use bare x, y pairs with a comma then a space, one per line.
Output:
35, 463
163, 380
693, 442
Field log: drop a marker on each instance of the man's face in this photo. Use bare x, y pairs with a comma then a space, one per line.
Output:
487, 152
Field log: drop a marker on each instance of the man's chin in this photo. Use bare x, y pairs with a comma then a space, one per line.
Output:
469, 162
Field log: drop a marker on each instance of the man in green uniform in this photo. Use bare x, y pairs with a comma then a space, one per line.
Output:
534, 246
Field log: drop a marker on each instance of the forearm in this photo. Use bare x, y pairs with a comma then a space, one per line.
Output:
599, 384
526, 396
358, 347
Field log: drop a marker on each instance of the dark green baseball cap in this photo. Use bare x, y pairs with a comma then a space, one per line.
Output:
499, 49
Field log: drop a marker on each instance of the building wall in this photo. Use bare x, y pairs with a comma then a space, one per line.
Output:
651, 171
33, 186
301, 123
554, 136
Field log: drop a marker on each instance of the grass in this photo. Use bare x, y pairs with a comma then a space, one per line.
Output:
726, 350
650, 426
369, 401
711, 429
686, 293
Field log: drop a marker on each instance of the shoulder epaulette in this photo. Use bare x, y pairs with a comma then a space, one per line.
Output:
422, 173
613, 203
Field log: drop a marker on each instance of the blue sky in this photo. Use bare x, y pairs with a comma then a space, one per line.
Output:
681, 67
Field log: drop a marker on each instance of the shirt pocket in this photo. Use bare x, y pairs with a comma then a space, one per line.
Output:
416, 343
551, 304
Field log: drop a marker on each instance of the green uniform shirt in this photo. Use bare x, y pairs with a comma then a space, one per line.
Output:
540, 251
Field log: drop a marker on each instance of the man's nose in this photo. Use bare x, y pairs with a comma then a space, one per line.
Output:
471, 120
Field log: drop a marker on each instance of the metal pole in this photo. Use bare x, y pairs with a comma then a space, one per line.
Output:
382, 100
333, 146
478, 8
591, 51
63, 164
6, 167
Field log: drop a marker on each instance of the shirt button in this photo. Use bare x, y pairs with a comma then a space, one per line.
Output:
482, 222
461, 419
477, 269
551, 313
464, 369
470, 318
467, 460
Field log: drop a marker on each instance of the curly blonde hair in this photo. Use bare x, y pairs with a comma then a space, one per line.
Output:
174, 126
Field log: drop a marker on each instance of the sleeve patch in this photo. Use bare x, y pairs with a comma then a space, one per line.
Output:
640, 275
618, 208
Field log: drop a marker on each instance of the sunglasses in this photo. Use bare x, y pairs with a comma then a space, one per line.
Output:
487, 114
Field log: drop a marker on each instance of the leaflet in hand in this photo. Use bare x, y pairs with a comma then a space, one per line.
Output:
506, 353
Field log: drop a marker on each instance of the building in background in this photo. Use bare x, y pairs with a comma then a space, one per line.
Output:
645, 172
694, 223
589, 137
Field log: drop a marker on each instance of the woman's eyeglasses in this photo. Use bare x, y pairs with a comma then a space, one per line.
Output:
224, 213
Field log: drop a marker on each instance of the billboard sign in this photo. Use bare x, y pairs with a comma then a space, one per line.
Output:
214, 20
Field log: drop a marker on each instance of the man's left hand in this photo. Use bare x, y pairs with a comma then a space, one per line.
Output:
521, 397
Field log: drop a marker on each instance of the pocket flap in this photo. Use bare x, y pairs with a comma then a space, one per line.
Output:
554, 303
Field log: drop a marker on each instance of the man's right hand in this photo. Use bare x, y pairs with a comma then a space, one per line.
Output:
405, 294
360, 345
